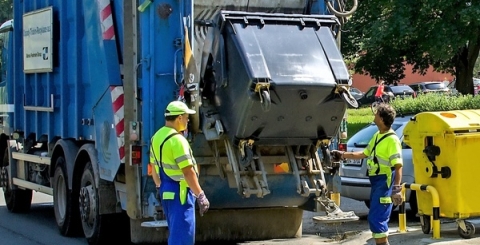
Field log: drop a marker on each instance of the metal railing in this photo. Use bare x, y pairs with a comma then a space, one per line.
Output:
402, 219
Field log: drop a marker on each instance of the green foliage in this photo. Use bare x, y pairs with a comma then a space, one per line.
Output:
434, 102
6, 10
383, 35
359, 118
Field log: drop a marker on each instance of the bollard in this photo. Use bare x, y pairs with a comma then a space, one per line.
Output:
402, 218
435, 208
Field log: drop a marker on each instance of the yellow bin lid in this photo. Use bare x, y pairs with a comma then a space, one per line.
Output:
443, 122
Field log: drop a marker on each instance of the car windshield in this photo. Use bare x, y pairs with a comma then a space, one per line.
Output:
362, 137
401, 89
354, 90
434, 86
450, 85
476, 81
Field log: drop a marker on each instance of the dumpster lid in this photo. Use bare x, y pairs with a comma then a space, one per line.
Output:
284, 47
459, 121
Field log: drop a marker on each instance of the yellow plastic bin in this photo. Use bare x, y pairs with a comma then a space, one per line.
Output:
445, 148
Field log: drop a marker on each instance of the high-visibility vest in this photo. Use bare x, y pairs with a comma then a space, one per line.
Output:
388, 153
176, 154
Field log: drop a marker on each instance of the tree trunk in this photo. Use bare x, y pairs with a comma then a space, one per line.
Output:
464, 73
465, 64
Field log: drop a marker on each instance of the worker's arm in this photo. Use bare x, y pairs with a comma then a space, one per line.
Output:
354, 155
398, 174
192, 179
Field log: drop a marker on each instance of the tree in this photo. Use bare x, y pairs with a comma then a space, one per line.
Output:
383, 36
6, 10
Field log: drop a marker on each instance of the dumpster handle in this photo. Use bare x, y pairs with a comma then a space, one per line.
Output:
435, 208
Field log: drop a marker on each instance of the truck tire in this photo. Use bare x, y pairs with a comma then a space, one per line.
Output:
97, 228
65, 207
18, 200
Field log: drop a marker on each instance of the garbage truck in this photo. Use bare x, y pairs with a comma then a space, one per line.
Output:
85, 85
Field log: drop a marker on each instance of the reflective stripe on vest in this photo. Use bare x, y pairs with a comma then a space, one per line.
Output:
182, 158
385, 200
384, 164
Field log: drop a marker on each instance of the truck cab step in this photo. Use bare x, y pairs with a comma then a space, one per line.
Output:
155, 224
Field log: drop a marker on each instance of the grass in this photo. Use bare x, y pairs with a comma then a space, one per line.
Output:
357, 119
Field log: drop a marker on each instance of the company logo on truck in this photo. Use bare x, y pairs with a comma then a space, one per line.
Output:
36, 31
37, 41
43, 54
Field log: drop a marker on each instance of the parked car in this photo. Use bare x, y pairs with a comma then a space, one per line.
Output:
354, 179
429, 87
356, 93
399, 91
453, 90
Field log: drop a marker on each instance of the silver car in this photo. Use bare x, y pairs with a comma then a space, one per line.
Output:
355, 182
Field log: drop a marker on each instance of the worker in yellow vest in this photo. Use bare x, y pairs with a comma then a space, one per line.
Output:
384, 162
176, 175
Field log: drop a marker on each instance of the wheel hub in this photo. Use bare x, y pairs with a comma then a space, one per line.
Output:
3, 177
87, 204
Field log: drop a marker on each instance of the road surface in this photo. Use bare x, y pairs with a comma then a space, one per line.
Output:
38, 228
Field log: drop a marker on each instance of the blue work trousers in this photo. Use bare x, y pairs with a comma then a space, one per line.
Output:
380, 205
180, 218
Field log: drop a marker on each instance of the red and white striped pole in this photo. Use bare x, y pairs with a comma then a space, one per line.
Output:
117, 103
106, 19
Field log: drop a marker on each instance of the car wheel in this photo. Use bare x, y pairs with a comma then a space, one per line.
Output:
367, 203
413, 202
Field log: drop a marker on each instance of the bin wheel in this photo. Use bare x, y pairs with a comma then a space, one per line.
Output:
470, 230
349, 99
367, 203
426, 225
265, 99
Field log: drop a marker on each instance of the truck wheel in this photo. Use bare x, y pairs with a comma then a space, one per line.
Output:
18, 200
95, 226
66, 210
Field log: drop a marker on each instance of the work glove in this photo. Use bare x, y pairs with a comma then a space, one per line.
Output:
203, 203
397, 195
337, 155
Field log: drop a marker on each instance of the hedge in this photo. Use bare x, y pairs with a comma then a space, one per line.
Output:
359, 118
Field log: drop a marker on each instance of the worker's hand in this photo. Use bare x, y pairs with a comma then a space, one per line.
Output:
203, 203
337, 155
397, 195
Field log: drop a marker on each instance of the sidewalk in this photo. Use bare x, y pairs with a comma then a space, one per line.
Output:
414, 235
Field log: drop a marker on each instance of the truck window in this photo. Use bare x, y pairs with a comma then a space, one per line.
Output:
3, 57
